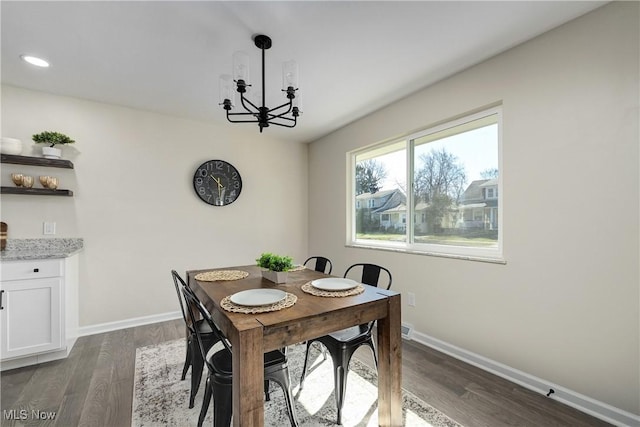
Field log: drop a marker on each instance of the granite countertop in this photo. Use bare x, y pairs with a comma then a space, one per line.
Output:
25, 249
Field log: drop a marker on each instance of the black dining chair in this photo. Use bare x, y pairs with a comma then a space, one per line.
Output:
219, 380
342, 344
321, 264
193, 358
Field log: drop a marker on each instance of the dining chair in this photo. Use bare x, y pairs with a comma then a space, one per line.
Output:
342, 344
193, 358
321, 264
219, 380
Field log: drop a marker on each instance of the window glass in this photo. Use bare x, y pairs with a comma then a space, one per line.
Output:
453, 204
455, 176
380, 180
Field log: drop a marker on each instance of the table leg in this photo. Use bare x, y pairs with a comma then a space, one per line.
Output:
248, 377
390, 366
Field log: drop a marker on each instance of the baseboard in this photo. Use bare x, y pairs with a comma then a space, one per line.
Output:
128, 323
568, 397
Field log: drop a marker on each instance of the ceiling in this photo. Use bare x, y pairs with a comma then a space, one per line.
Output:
354, 56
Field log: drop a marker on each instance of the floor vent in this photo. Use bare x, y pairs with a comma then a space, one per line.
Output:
407, 331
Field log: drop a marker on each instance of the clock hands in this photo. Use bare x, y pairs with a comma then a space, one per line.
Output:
220, 187
217, 180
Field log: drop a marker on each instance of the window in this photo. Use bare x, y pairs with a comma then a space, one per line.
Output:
435, 191
375, 179
492, 193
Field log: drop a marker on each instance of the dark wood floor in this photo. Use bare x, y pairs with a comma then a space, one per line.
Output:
93, 386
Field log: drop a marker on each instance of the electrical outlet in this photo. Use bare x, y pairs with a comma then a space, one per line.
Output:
411, 299
49, 228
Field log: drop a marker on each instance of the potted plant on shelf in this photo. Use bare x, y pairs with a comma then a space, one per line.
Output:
275, 267
52, 139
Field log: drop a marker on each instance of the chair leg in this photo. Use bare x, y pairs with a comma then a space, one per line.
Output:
282, 378
187, 360
291, 407
197, 365
304, 366
205, 402
340, 387
341, 370
222, 404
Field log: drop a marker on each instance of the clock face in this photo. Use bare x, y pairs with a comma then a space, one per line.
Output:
217, 183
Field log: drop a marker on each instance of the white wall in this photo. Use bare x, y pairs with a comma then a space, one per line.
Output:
565, 307
134, 202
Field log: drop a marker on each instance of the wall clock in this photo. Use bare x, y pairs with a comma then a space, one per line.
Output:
217, 182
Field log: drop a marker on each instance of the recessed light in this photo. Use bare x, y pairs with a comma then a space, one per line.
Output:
34, 60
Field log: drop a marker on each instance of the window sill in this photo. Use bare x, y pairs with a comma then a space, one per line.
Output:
436, 254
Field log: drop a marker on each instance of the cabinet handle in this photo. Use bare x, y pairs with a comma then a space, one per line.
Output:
1, 294
35, 270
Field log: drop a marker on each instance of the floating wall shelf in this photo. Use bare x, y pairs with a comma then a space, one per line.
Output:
35, 161
35, 191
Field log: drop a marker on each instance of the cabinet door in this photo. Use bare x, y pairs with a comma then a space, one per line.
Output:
31, 316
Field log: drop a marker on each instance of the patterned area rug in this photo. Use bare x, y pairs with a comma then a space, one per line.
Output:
161, 399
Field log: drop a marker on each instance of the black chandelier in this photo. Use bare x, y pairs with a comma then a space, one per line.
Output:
283, 115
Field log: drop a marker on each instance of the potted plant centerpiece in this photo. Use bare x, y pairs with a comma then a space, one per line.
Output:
52, 139
275, 267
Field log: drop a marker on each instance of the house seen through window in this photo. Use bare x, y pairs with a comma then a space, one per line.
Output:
436, 191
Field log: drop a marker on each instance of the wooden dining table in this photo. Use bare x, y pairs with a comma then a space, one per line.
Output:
311, 316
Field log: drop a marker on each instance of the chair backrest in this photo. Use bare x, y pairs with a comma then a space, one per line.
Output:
179, 284
194, 306
321, 264
371, 274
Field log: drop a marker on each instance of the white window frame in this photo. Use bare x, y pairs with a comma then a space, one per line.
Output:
494, 254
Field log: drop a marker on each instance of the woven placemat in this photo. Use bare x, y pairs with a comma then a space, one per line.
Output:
298, 268
289, 300
210, 276
310, 289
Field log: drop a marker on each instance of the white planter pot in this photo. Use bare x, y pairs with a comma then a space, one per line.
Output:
51, 152
10, 146
275, 276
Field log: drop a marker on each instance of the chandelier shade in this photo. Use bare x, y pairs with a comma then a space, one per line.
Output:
285, 115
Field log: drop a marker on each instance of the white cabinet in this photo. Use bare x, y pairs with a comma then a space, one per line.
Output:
38, 310
31, 317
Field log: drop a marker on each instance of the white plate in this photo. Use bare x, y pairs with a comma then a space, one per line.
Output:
334, 284
257, 297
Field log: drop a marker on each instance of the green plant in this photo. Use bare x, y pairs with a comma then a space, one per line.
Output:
51, 138
275, 262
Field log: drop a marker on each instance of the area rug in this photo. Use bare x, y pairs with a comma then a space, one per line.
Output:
160, 398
